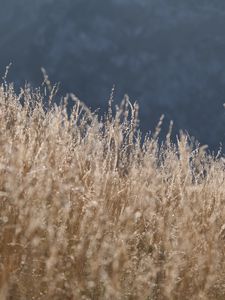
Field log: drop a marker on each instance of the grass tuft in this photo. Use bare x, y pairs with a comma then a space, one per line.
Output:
89, 211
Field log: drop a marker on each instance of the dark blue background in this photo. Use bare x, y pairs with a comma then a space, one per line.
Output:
169, 55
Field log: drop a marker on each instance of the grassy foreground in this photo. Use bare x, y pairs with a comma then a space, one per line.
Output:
88, 211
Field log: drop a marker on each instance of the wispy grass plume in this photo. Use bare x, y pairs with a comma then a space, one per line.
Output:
90, 211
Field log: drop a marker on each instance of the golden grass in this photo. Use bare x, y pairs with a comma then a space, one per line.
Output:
87, 211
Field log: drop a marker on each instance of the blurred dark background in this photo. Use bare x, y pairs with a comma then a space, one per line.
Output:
169, 55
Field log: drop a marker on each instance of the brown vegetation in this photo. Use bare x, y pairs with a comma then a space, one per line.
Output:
88, 211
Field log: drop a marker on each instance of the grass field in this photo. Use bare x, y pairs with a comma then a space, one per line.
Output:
90, 211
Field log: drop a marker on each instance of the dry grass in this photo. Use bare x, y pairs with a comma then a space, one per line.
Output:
87, 211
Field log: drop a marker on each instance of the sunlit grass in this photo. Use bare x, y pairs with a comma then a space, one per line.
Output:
90, 211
